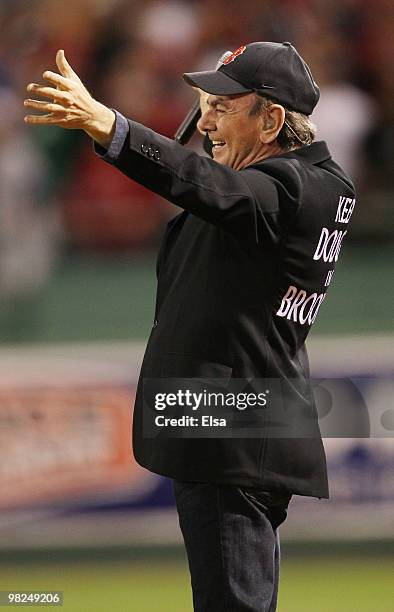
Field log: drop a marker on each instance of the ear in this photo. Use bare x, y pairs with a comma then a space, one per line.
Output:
272, 123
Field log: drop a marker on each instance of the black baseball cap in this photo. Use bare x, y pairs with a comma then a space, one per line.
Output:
276, 70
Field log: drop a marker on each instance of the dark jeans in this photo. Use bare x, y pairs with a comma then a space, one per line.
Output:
232, 544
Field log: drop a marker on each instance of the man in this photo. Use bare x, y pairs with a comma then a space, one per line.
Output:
242, 273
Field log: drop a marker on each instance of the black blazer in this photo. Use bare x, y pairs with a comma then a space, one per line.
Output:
242, 273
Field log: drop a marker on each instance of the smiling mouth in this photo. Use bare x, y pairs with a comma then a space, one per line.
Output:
217, 144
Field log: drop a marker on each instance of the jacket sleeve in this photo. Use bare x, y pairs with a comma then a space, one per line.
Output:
245, 203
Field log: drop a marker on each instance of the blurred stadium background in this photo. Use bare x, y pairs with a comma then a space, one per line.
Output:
77, 284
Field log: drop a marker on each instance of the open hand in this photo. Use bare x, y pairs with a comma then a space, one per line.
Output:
72, 106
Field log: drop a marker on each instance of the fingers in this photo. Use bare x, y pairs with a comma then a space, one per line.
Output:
64, 67
49, 92
70, 104
58, 80
43, 119
49, 107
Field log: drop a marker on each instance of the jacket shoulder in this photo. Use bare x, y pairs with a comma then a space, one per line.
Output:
281, 178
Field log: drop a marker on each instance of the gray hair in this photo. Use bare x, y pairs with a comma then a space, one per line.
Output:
297, 131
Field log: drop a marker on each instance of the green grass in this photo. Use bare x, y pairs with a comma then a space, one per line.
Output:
337, 585
318, 584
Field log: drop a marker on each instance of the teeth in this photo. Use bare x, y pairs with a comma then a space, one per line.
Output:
218, 143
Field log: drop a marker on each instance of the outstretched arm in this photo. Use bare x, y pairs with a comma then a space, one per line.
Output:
72, 106
243, 202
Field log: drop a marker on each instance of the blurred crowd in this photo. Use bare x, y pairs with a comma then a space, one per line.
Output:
57, 197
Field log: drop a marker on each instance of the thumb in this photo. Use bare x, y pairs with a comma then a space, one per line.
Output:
64, 67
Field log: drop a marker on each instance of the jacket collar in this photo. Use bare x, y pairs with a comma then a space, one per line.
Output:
315, 153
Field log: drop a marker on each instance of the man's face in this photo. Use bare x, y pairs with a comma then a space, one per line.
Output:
234, 132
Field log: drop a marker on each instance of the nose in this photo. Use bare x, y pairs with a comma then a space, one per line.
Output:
206, 122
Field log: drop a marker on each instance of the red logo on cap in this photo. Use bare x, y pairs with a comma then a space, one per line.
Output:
234, 55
